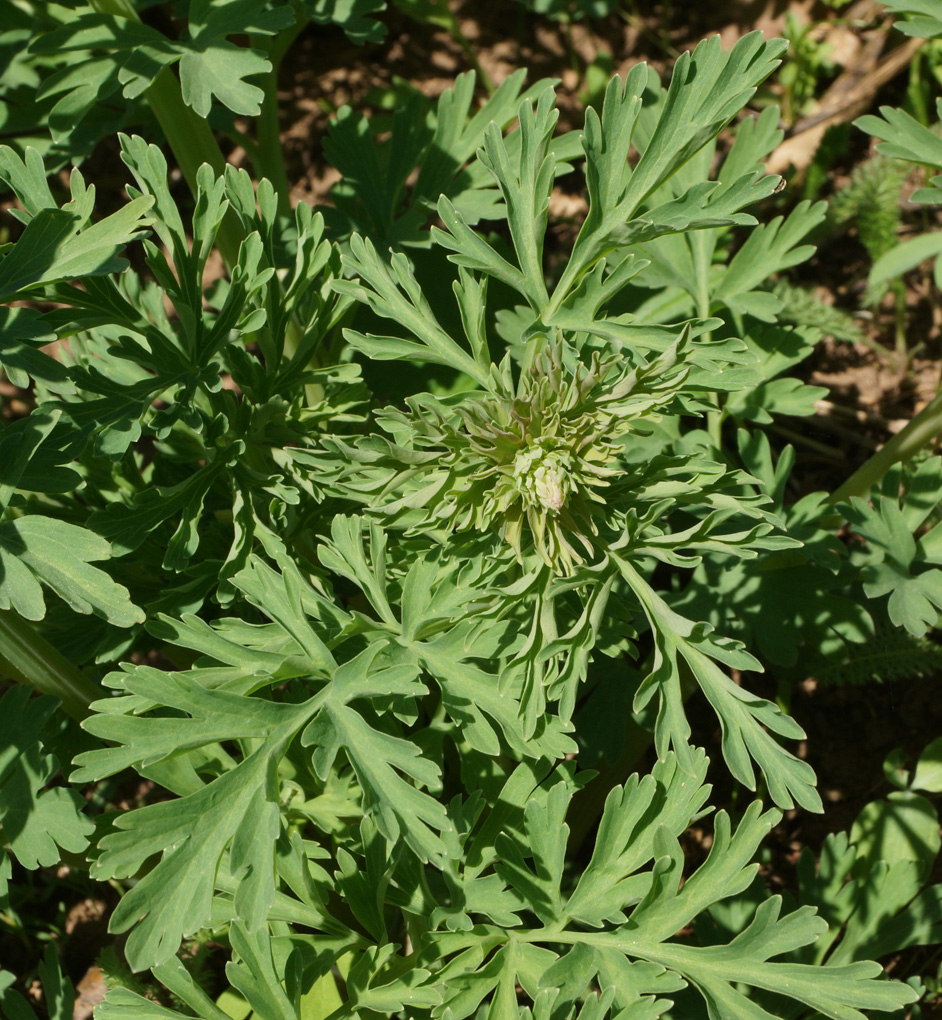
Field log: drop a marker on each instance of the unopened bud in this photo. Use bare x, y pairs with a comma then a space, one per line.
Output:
552, 485
543, 476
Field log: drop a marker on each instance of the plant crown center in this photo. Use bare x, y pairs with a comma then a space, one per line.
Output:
542, 473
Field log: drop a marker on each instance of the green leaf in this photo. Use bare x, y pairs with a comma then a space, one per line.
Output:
896, 559
103, 52
928, 774
546, 837
237, 812
61, 244
372, 199
174, 976
218, 70
380, 759
904, 827
19, 442
903, 137
777, 396
770, 248
525, 185
353, 16
923, 18
906, 256
255, 976
127, 526
57, 990
38, 551
211, 19
123, 1004
839, 992
36, 819
392, 291
708, 88
746, 720
22, 335
633, 815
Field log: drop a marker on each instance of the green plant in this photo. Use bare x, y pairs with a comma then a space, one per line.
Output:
364, 649
71, 70
871, 202
904, 138
808, 60
801, 308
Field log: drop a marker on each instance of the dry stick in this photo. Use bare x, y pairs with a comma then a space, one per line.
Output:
849, 96
852, 91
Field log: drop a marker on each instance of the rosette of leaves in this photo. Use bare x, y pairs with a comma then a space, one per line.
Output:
539, 463
568, 453
369, 766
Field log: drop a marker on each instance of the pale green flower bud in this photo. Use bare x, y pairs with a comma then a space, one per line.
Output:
543, 476
552, 485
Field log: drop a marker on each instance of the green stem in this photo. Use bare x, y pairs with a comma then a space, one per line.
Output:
192, 142
902, 353
269, 158
189, 136
28, 658
269, 161
917, 434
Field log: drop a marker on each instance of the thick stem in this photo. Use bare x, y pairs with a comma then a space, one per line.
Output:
192, 141
28, 658
269, 157
917, 434
189, 136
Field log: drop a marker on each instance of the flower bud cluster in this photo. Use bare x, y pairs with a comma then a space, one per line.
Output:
542, 475
539, 461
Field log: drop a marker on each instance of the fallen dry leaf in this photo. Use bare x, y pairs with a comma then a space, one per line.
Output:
88, 993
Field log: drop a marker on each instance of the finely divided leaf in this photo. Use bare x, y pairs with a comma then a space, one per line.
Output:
237, 812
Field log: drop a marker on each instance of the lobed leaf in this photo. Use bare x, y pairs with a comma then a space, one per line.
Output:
38, 821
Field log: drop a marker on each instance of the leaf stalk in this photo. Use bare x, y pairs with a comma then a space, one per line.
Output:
923, 428
28, 658
189, 136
